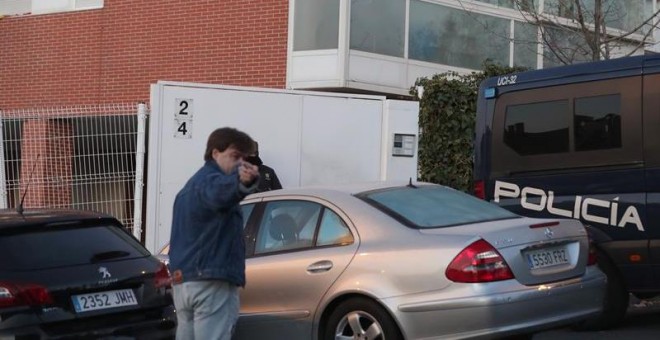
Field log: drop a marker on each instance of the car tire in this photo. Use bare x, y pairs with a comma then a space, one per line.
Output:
374, 322
616, 299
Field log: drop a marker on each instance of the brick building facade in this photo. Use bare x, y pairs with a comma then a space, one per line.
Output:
113, 53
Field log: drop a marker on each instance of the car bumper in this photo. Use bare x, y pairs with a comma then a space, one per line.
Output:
498, 308
127, 326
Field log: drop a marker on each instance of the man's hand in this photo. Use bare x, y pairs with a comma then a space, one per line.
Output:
248, 173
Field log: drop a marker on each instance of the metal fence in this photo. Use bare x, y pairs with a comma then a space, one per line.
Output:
88, 158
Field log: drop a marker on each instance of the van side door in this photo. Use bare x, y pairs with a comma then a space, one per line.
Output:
576, 151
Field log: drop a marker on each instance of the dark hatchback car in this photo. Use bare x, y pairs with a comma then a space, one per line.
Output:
76, 274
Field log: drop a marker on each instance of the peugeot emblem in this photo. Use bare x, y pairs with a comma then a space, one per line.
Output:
104, 271
549, 233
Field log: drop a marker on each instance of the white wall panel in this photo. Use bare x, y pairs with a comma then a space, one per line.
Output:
341, 140
377, 70
320, 65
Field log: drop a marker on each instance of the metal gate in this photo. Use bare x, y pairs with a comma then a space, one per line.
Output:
88, 158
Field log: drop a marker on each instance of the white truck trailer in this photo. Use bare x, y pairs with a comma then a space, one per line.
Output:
307, 137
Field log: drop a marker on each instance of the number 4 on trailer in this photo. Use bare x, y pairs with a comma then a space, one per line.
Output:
183, 128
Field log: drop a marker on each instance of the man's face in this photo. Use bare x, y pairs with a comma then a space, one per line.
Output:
229, 159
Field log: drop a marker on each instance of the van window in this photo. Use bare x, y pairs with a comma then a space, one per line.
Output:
567, 127
537, 128
598, 122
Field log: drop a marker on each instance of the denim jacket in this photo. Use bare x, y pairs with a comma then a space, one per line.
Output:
207, 241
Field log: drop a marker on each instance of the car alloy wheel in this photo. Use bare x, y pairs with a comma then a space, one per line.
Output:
361, 319
359, 325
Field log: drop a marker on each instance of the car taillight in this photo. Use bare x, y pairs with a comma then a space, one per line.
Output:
480, 189
23, 294
592, 259
479, 262
162, 277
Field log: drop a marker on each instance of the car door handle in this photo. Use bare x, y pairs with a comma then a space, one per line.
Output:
321, 266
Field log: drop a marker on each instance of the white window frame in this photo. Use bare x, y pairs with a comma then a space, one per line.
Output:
37, 7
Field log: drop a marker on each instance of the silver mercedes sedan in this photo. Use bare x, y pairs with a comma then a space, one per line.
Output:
408, 261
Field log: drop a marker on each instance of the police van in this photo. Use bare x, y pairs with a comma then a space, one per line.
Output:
581, 141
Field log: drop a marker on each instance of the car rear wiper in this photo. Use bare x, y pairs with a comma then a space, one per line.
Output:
108, 255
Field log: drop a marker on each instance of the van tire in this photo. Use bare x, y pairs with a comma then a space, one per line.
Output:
616, 299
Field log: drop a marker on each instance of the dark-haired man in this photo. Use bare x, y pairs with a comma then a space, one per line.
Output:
207, 250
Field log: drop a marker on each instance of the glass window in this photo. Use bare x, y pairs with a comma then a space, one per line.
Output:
308, 230
525, 45
52, 247
537, 128
435, 206
621, 14
562, 8
246, 210
593, 110
528, 5
282, 224
333, 231
378, 26
597, 123
647, 12
501, 3
316, 25
625, 14
455, 37
568, 45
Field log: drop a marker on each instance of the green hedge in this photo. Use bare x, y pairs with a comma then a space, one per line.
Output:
446, 121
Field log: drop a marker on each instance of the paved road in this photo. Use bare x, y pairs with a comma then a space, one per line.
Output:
642, 323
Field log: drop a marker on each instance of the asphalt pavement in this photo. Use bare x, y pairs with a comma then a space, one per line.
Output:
642, 323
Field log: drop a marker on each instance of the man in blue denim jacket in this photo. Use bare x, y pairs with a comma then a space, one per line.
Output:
207, 249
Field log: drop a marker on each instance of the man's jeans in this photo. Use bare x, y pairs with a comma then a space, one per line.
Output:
205, 309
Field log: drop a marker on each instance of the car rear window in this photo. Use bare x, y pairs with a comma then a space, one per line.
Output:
45, 248
434, 206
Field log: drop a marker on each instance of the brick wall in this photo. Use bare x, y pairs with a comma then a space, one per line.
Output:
111, 55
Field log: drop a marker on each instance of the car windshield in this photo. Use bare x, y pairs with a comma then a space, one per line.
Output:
434, 206
32, 249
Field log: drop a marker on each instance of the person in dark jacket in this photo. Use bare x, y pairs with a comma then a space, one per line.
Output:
207, 249
267, 178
